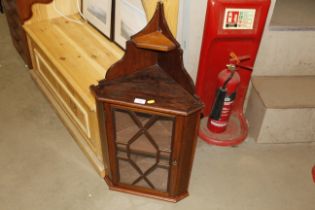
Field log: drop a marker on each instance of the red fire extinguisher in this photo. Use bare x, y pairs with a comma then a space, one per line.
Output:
228, 82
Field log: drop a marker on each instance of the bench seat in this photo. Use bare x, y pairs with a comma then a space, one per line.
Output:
68, 58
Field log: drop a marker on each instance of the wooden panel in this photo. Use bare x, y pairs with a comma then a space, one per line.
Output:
171, 8
25, 8
84, 120
79, 52
81, 141
185, 145
154, 41
128, 65
16, 30
36, 9
150, 83
1, 7
71, 104
53, 10
171, 62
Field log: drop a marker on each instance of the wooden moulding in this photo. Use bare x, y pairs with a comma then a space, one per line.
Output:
143, 48
147, 194
171, 11
25, 8
152, 82
154, 41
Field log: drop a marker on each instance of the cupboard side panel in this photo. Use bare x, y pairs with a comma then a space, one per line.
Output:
186, 146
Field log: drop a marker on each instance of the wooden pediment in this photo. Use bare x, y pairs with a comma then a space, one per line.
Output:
153, 46
25, 8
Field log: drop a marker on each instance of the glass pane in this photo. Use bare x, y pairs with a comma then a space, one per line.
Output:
162, 132
143, 143
125, 126
159, 175
127, 172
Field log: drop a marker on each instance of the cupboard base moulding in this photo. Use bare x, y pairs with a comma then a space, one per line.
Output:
144, 194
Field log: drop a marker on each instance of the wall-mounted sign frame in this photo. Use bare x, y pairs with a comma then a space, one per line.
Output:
99, 14
118, 20
130, 18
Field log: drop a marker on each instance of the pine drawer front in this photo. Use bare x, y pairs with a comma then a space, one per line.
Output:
77, 111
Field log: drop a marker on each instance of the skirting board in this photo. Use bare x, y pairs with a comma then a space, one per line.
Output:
97, 164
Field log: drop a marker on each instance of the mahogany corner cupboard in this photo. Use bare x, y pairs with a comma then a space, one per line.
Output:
149, 116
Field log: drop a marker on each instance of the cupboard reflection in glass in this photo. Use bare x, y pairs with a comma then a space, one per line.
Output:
143, 148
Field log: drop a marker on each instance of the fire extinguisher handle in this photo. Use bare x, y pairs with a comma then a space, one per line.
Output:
238, 59
234, 58
244, 58
249, 68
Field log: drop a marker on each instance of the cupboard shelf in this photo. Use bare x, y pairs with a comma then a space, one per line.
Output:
154, 41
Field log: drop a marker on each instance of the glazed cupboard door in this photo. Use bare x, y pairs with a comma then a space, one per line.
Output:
142, 142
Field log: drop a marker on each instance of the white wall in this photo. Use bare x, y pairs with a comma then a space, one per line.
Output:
280, 53
192, 23
286, 52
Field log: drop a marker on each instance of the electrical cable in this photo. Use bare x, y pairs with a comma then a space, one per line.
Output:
66, 17
79, 9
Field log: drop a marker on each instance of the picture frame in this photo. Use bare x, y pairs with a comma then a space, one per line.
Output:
130, 18
99, 13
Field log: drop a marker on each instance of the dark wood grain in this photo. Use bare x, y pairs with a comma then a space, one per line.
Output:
154, 41
24, 8
172, 63
17, 12
158, 23
103, 135
150, 83
134, 60
137, 59
144, 193
152, 69
1, 7
109, 128
17, 32
186, 146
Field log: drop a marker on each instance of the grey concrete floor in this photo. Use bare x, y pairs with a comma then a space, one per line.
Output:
41, 167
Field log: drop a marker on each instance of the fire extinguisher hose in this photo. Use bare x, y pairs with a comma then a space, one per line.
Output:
219, 100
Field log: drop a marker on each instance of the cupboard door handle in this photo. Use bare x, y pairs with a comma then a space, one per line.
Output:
174, 163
